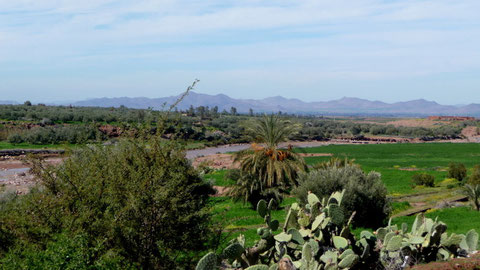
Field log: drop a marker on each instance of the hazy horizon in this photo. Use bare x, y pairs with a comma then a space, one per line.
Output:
66, 102
387, 50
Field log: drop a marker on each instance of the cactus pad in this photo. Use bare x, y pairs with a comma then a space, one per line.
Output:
208, 262
340, 242
349, 261
312, 199
233, 251
262, 208
472, 240
336, 214
395, 243
283, 237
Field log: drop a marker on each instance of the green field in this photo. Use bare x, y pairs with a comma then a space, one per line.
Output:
218, 178
398, 162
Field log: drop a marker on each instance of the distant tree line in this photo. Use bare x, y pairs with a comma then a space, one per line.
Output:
54, 124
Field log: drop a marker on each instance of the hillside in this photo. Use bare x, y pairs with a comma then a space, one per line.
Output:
345, 106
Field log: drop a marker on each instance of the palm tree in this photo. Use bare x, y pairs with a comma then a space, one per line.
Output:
273, 166
473, 194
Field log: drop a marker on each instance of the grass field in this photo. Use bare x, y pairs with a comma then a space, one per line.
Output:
398, 162
239, 218
218, 178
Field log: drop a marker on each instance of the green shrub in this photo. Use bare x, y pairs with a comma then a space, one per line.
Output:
365, 193
63, 252
423, 179
457, 171
233, 174
141, 200
474, 179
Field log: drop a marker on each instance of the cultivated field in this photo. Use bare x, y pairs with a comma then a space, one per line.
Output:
396, 163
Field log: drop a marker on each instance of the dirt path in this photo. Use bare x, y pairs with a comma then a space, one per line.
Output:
426, 201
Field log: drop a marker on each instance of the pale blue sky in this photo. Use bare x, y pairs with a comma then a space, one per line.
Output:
314, 50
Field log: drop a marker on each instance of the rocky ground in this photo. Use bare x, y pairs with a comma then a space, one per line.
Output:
15, 173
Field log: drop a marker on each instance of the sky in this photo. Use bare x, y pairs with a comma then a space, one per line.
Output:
313, 50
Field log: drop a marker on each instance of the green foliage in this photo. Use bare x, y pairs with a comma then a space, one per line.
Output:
271, 130
267, 172
365, 194
474, 178
141, 200
64, 252
251, 189
423, 179
56, 135
457, 171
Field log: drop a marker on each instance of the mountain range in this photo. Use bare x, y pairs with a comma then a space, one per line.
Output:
343, 106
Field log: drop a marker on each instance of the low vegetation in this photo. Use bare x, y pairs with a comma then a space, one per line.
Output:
423, 179
365, 193
457, 171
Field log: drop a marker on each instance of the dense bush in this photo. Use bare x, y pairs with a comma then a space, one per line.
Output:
364, 193
140, 202
457, 171
74, 134
474, 179
423, 179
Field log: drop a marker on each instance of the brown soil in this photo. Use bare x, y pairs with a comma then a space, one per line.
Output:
315, 154
415, 123
216, 161
221, 191
408, 169
472, 134
456, 264
21, 181
18, 163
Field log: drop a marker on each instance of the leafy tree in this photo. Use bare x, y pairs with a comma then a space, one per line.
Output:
233, 111
27, 103
457, 171
364, 193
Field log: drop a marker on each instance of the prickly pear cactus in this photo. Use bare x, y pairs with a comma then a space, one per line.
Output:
317, 236
426, 241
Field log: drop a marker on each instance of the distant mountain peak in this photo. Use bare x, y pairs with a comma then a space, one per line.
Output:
342, 106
